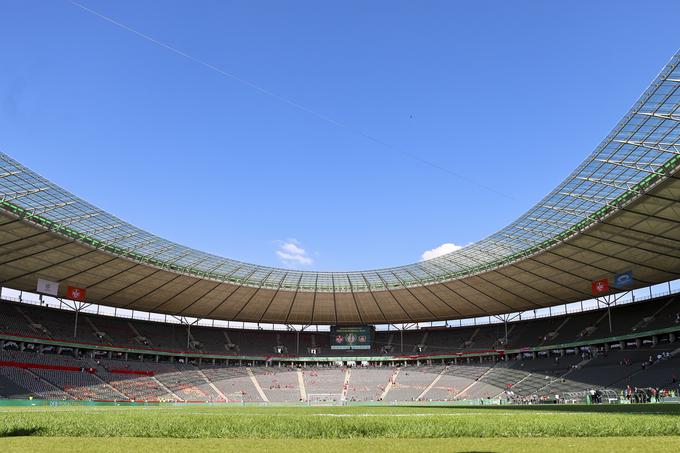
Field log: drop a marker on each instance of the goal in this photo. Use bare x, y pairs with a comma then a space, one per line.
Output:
324, 399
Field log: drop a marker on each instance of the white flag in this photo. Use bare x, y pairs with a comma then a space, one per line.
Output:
48, 287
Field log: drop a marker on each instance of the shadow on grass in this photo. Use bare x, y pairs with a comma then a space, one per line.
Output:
640, 409
18, 432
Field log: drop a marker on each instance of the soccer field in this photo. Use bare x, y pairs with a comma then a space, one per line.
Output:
325, 429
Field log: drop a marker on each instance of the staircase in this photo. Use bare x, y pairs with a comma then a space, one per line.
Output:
212, 386
33, 325
390, 383
432, 384
470, 341
553, 334
164, 387
422, 344
345, 384
301, 385
46, 382
257, 385
473, 383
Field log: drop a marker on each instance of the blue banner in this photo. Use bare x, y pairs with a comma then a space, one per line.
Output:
623, 279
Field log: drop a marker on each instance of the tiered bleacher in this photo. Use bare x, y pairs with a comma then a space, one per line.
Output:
125, 359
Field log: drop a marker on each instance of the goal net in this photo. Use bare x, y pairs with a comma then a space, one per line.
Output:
324, 399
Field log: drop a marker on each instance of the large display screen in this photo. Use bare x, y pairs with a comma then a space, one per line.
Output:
352, 337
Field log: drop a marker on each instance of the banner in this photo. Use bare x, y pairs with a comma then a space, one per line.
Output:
357, 337
600, 287
623, 279
74, 293
48, 287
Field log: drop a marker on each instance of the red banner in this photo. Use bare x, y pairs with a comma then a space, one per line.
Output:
600, 287
74, 293
44, 366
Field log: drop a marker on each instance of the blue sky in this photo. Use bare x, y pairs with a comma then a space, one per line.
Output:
360, 135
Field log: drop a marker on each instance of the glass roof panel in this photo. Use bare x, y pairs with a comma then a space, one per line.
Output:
640, 149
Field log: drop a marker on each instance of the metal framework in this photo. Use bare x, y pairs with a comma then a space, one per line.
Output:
640, 154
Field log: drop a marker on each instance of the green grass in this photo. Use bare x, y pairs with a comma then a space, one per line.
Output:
510, 445
325, 429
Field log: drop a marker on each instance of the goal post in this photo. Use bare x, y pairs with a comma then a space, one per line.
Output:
324, 399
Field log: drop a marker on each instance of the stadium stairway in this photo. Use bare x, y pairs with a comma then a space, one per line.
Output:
37, 328
301, 385
11, 389
345, 384
233, 382
553, 334
467, 389
554, 383
649, 369
412, 381
389, 384
257, 386
368, 383
432, 384
422, 346
212, 385
280, 384
165, 388
53, 387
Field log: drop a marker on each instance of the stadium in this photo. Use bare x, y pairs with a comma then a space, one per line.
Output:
559, 331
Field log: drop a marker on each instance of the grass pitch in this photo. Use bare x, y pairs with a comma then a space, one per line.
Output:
301, 429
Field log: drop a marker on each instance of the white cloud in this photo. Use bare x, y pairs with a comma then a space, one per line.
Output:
291, 253
443, 249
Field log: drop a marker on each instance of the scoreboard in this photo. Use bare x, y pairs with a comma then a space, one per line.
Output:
348, 337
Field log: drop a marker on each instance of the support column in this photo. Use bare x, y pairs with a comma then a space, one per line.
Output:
77, 307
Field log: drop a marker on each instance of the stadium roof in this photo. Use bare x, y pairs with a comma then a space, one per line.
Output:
618, 211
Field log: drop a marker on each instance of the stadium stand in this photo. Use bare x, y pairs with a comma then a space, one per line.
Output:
42, 322
369, 383
411, 382
40, 359
233, 382
280, 384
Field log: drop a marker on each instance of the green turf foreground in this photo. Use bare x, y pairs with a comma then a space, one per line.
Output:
464, 444
544, 429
